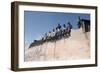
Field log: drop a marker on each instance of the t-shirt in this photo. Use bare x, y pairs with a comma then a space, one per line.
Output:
53, 34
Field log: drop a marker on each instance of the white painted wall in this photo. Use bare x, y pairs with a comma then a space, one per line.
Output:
5, 38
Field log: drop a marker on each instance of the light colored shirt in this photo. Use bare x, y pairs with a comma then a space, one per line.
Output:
53, 34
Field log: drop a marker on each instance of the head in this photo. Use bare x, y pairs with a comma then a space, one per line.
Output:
49, 31
56, 28
68, 23
58, 24
53, 30
64, 26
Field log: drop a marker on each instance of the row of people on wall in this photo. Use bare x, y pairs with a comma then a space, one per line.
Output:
56, 34
63, 31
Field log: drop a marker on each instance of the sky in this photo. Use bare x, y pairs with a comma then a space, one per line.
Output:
37, 23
